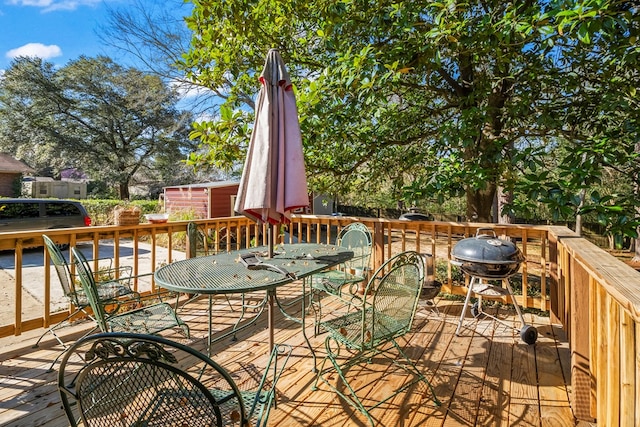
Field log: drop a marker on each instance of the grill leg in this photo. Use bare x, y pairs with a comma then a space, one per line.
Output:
515, 304
466, 304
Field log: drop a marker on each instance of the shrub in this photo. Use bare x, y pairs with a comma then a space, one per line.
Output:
457, 276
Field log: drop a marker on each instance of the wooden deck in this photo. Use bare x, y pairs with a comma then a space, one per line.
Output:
485, 377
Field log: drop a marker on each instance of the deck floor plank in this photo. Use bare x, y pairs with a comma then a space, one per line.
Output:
484, 376
495, 397
464, 404
553, 393
419, 397
524, 409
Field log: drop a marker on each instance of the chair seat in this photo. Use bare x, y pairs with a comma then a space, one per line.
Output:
248, 397
332, 281
356, 238
348, 329
150, 320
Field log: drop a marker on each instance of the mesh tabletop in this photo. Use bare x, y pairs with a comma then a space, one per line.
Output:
225, 273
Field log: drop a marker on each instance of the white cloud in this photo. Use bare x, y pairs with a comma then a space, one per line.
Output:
51, 5
35, 49
187, 90
39, 3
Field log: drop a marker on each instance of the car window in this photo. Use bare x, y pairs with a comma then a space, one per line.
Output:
19, 210
61, 209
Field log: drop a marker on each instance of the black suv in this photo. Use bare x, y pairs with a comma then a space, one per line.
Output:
41, 214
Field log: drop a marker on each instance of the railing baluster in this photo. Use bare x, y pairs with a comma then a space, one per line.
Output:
574, 266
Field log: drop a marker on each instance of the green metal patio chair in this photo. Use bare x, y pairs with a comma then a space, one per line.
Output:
117, 379
387, 311
113, 289
352, 274
149, 319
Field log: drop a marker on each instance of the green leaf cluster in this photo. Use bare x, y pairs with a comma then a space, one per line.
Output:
425, 101
118, 125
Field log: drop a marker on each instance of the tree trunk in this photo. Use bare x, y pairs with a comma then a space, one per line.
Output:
583, 194
480, 203
123, 188
503, 198
636, 244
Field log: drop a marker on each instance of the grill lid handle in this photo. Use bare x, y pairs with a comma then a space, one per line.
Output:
479, 234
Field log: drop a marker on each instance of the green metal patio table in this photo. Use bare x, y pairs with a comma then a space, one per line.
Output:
225, 273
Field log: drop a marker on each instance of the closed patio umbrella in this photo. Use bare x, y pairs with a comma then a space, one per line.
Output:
274, 181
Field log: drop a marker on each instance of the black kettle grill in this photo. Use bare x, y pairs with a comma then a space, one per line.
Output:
485, 257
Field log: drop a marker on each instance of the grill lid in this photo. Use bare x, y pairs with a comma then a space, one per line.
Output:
487, 249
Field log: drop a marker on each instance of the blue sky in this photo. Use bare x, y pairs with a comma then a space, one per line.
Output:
56, 30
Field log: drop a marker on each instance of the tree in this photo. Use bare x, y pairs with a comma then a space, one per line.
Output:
597, 47
440, 98
155, 36
112, 122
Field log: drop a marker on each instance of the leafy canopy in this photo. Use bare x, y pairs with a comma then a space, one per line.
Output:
111, 122
429, 100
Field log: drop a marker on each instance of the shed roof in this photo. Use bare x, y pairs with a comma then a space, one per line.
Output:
207, 184
8, 164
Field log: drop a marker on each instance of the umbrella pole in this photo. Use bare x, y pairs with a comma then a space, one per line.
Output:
270, 239
270, 293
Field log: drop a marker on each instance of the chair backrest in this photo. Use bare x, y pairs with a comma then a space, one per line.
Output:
88, 282
391, 298
62, 269
357, 238
145, 380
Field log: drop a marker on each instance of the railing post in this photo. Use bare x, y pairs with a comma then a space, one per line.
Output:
378, 245
192, 240
556, 298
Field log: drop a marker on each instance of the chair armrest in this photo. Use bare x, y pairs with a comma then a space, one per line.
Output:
121, 273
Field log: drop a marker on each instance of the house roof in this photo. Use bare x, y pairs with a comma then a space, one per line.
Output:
10, 165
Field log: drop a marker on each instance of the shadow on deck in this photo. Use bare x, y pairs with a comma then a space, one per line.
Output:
485, 376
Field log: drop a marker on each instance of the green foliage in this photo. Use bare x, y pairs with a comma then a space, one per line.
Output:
16, 186
442, 271
426, 101
111, 122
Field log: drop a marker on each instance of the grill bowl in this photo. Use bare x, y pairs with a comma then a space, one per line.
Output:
486, 256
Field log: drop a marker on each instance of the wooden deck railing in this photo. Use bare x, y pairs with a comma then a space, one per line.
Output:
593, 295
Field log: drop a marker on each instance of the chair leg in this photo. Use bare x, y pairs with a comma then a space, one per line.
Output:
184, 327
315, 304
431, 304
66, 348
258, 309
351, 397
229, 302
265, 399
52, 329
412, 368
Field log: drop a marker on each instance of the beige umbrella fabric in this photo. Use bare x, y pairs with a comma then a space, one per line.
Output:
274, 179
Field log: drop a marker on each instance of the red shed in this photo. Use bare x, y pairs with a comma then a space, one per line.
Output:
206, 200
